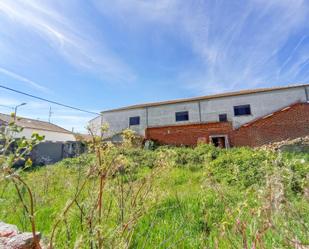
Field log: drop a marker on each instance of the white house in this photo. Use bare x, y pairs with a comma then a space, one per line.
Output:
52, 132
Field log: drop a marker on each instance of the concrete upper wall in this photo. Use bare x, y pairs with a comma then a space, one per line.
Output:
120, 120
165, 115
95, 125
261, 104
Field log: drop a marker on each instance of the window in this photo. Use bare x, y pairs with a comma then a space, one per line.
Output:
223, 117
242, 110
134, 120
182, 116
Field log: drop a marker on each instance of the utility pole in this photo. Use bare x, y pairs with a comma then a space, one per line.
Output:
49, 114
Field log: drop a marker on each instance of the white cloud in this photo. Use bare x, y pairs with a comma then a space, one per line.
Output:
76, 43
64, 117
127, 10
9, 102
23, 79
237, 42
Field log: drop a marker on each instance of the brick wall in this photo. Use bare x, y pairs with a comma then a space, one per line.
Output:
187, 134
288, 123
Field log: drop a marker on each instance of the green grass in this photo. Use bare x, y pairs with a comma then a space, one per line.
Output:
201, 198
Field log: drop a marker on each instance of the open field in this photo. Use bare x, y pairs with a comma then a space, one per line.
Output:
169, 198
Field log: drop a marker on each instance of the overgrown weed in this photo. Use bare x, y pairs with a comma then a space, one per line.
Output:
168, 197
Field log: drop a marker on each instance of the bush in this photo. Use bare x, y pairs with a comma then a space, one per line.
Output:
195, 158
245, 167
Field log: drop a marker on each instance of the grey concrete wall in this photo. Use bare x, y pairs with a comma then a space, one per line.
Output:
164, 115
119, 121
47, 152
95, 125
261, 104
52, 152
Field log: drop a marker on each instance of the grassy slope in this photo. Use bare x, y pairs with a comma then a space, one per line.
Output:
204, 198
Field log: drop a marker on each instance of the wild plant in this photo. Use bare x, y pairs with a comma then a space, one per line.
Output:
13, 152
117, 199
261, 215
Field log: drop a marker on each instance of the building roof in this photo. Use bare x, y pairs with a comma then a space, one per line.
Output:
214, 96
33, 124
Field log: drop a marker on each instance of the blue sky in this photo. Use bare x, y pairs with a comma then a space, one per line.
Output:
102, 54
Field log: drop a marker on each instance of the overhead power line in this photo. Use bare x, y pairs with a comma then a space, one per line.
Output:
49, 101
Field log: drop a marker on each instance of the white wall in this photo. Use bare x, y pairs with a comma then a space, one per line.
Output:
119, 121
49, 135
165, 114
95, 125
261, 104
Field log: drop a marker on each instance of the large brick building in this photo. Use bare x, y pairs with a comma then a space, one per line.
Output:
243, 118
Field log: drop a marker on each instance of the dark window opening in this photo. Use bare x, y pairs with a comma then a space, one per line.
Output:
134, 120
182, 116
222, 117
218, 142
242, 110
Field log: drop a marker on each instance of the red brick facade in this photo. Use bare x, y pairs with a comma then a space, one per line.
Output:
187, 134
290, 122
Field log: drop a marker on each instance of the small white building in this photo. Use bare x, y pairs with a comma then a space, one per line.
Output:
52, 132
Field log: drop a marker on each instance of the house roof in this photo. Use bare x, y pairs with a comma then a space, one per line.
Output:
33, 124
220, 95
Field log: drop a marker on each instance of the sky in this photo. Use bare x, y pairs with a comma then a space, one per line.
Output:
102, 54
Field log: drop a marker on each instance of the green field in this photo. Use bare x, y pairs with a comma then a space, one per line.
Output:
169, 197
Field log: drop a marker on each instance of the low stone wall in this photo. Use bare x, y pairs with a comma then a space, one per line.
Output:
12, 238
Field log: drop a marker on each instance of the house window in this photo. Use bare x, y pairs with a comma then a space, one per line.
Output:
134, 120
241, 110
182, 116
223, 117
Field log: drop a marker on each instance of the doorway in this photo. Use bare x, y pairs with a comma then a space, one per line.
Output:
220, 141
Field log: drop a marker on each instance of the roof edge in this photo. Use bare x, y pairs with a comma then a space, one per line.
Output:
42, 129
213, 96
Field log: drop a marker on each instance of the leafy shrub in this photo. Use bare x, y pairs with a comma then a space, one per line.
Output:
245, 167
242, 167
195, 158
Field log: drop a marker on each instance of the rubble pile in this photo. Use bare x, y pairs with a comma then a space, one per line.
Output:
12, 238
300, 144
